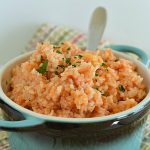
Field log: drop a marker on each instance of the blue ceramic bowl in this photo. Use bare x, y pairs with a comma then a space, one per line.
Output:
23, 119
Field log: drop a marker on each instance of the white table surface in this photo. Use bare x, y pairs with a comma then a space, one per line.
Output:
128, 21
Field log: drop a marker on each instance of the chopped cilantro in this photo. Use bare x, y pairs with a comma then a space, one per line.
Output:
40, 58
78, 56
59, 71
68, 61
116, 59
56, 46
61, 66
59, 52
68, 49
78, 62
106, 69
102, 93
43, 68
56, 73
96, 74
121, 88
103, 64
97, 88
74, 65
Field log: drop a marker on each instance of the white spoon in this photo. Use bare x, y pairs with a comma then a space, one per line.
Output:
96, 27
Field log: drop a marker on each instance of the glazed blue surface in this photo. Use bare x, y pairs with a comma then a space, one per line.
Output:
125, 48
28, 122
31, 140
35, 141
32, 121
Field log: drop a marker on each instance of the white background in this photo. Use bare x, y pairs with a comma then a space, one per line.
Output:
128, 21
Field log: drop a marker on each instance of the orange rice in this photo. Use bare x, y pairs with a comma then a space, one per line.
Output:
76, 83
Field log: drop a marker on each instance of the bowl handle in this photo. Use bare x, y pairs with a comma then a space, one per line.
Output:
125, 48
28, 122
25, 122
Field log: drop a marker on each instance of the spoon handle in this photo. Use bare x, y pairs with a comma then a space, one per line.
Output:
96, 27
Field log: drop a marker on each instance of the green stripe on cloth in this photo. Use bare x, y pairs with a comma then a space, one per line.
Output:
39, 36
63, 35
55, 35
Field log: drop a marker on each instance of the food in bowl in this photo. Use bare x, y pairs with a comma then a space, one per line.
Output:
66, 81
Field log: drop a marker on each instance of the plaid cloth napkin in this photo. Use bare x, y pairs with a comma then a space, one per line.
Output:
55, 35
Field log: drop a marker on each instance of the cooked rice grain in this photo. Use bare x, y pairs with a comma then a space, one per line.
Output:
76, 83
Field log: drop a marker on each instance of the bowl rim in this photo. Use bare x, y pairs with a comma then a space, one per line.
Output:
116, 116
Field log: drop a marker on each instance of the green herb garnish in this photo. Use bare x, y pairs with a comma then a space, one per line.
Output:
68, 49
40, 58
121, 88
103, 64
102, 93
106, 69
68, 61
59, 52
116, 59
61, 66
78, 62
78, 56
56, 46
43, 68
74, 65
56, 72
97, 88
96, 74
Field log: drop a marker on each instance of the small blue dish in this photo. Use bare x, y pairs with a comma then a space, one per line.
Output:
73, 132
